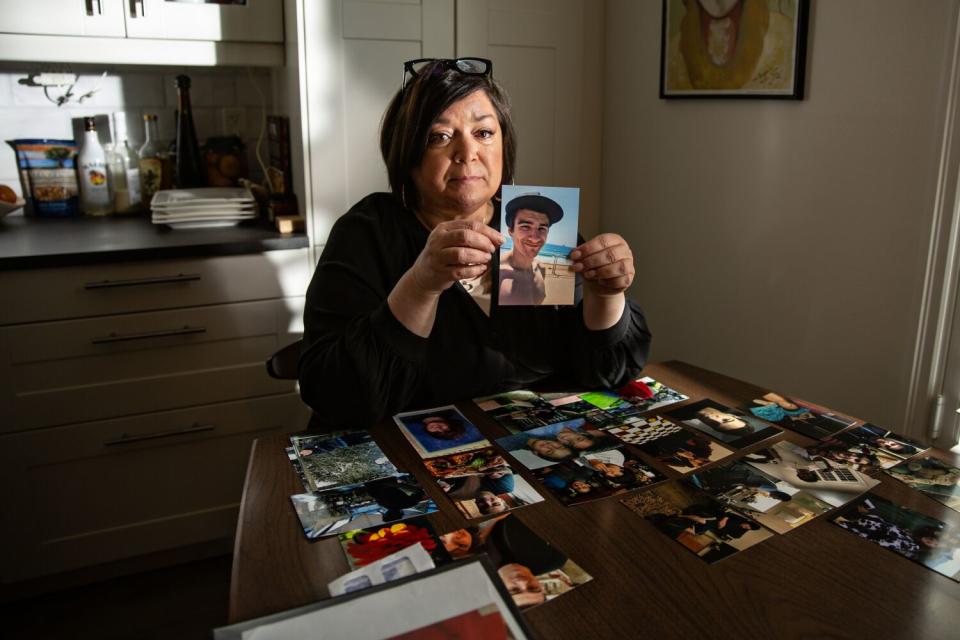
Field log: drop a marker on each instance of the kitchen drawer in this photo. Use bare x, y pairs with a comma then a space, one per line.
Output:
101, 491
71, 371
95, 290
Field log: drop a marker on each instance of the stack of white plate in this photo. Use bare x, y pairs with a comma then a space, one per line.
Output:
206, 207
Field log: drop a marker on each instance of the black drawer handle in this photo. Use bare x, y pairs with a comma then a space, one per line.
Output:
125, 439
137, 282
125, 337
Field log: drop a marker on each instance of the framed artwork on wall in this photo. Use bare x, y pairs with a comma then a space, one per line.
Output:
733, 48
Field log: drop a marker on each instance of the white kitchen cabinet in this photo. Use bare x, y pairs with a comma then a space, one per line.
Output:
64, 17
251, 21
130, 394
142, 32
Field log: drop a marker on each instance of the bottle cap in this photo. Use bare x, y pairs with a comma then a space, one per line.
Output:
89, 124
183, 82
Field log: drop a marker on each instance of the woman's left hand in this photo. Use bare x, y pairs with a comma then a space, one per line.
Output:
606, 263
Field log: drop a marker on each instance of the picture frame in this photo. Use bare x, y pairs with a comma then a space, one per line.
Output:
733, 49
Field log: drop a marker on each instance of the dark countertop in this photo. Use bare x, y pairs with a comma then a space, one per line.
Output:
33, 243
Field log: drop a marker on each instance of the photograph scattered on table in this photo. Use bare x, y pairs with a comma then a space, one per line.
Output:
553, 443
540, 227
402, 563
684, 451
363, 546
439, 431
643, 429
343, 459
701, 525
827, 480
908, 533
886, 442
384, 501
481, 483
934, 478
805, 418
646, 394
597, 475
532, 570
774, 503
730, 426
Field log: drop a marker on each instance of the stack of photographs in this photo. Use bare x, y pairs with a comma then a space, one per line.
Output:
519, 411
476, 477
867, 448
532, 570
350, 483
934, 478
805, 418
908, 533
701, 525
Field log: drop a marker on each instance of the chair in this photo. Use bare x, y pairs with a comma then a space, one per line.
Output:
282, 365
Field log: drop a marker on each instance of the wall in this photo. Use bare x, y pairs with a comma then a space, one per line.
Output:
785, 242
26, 113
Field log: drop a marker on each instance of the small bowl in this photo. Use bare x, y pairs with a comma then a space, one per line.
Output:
10, 207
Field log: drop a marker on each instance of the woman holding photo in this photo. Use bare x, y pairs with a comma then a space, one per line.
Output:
389, 323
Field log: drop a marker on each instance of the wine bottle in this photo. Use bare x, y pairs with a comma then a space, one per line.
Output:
92, 163
151, 155
190, 170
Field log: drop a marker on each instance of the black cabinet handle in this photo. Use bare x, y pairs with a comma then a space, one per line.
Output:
165, 333
137, 282
125, 439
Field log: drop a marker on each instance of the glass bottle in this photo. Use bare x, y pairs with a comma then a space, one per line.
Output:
151, 160
190, 170
92, 167
123, 168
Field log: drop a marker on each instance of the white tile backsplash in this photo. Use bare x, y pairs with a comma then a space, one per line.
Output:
26, 113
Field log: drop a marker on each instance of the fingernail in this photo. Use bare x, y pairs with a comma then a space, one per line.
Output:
575, 255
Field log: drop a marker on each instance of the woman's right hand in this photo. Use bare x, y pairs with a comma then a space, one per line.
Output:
455, 250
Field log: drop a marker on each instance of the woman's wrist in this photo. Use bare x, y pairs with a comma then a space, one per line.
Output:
601, 312
413, 306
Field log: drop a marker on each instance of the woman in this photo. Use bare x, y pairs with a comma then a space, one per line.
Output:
388, 324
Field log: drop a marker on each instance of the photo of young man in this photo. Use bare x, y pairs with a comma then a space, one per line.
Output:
534, 264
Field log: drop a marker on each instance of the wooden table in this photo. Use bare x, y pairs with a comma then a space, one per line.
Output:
815, 582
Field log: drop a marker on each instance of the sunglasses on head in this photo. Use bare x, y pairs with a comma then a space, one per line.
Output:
437, 66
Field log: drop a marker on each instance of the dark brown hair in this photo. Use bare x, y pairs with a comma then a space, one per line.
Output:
413, 110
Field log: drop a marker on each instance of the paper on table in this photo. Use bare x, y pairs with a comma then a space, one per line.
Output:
403, 563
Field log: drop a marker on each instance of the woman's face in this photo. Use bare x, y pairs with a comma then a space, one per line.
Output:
725, 421
463, 164
457, 543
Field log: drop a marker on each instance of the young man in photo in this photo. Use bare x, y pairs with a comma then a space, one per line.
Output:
529, 218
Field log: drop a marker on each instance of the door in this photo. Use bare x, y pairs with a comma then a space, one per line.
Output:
226, 21
353, 61
102, 18
537, 51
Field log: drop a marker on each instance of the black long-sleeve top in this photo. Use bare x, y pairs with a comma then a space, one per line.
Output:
360, 365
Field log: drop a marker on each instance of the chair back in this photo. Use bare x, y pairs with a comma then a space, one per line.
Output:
282, 365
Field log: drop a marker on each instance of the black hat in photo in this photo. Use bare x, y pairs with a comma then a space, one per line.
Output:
534, 202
